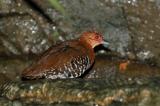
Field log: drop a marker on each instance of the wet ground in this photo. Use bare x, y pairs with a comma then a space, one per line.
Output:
29, 27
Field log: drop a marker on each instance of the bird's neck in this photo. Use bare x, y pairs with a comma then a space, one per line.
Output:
86, 42
89, 48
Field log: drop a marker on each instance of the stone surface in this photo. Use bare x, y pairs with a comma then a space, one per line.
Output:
144, 23
99, 92
132, 27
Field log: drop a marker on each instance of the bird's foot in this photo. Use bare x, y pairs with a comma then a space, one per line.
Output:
123, 66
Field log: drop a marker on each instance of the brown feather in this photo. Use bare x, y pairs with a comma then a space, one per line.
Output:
57, 57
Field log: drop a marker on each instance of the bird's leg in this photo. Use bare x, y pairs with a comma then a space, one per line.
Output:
123, 66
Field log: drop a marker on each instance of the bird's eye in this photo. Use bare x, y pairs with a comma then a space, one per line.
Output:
96, 37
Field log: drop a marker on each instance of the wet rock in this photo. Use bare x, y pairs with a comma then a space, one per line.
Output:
47, 9
8, 6
136, 85
143, 22
12, 67
32, 32
108, 67
24, 34
131, 26
91, 92
7, 102
4, 78
99, 16
82, 15
3, 50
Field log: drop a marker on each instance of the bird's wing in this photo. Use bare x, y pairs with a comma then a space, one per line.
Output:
59, 59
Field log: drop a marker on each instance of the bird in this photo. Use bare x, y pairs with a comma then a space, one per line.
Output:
68, 59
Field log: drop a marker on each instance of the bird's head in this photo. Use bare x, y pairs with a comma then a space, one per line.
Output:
93, 39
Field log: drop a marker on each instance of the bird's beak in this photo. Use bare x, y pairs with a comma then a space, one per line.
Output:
105, 43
